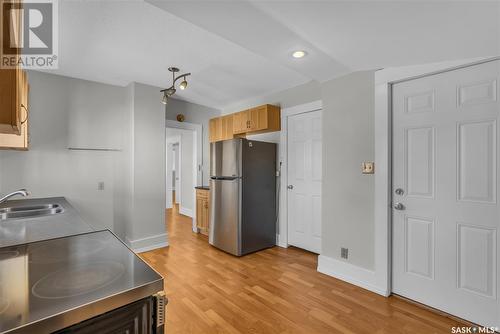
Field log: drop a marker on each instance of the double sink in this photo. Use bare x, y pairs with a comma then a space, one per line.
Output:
29, 211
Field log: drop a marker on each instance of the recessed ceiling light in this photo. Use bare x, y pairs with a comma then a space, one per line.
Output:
299, 54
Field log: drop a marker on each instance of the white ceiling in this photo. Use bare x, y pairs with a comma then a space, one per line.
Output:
237, 50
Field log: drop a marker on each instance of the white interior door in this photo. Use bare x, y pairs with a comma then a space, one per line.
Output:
445, 166
304, 180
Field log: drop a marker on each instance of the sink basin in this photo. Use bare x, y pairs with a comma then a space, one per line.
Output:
30, 211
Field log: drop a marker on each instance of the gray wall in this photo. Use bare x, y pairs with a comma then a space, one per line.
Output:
348, 140
197, 114
49, 168
123, 187
148, 163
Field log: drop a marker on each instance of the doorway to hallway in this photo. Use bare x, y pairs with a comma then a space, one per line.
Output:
183, 167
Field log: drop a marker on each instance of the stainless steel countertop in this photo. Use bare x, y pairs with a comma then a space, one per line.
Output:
25, 230
49, 285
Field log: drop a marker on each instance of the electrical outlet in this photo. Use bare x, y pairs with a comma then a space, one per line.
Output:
344, 253
100, 185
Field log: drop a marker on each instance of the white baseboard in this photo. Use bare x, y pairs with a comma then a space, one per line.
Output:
280, 242
186, 212
350, 273
148, 243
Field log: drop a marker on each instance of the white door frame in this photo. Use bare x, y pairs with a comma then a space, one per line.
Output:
197, 162
177, 171
170, 142
282, 233
384, 79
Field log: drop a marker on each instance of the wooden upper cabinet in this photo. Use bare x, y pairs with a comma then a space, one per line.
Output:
258, 119
227, 127
11, 80
212, 129
14, 108
10, 101
221, 128
13, 20
265, 118
240, 122
13, 90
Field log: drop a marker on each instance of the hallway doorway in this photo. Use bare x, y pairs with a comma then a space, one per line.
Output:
183, 167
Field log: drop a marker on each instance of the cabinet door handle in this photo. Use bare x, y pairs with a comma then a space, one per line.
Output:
25, 109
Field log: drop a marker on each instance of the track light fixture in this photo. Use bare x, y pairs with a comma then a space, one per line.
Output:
171, 90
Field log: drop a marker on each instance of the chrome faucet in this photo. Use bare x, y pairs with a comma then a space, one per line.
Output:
21, 192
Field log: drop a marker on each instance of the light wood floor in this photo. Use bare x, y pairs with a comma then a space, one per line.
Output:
273, 291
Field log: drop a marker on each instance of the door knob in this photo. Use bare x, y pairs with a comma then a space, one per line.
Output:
290, 186
399, 206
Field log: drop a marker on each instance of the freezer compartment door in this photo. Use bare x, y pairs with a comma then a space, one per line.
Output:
225, 215
225, 158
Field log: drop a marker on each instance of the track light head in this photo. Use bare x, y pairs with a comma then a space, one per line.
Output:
183, 84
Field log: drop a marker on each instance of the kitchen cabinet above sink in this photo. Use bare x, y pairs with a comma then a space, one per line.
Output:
14, 109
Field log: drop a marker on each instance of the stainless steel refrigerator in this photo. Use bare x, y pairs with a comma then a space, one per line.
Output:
242, 195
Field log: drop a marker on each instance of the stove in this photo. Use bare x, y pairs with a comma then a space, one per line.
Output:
78, 280
50, 285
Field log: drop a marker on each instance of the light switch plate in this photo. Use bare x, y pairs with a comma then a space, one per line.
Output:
344, 253
368, 167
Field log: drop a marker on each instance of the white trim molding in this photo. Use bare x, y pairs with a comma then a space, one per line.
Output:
185, 211
384, 79
148, 243
350, 273
197, 164
170, 142
282, 233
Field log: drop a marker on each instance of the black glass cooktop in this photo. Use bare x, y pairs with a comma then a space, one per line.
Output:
47, 278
